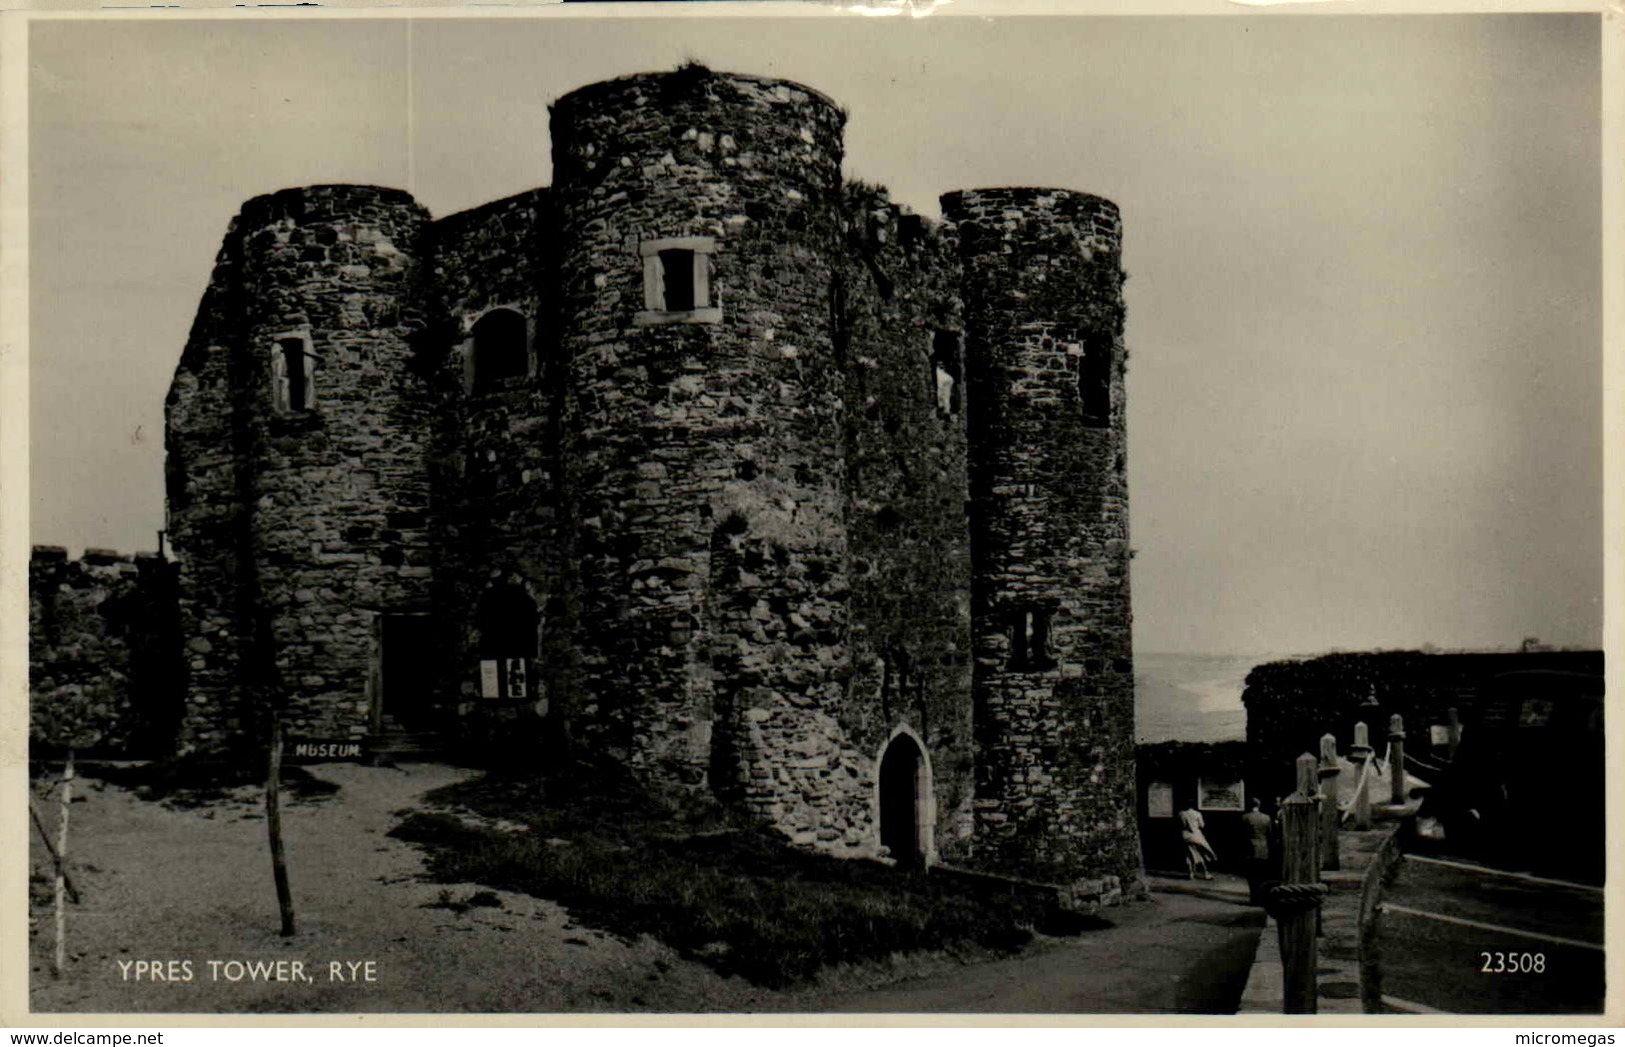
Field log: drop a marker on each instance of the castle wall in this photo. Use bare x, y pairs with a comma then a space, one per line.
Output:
1532, 742
496, 454
1290, 704
776, 472
206, 506
897, 301
705, 458
1049, 533
103, 669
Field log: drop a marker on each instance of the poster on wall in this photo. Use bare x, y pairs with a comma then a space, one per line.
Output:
1159, 800
516, 678
1219, 795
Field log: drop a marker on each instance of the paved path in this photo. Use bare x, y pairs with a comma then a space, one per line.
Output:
1470, 940
1186, 951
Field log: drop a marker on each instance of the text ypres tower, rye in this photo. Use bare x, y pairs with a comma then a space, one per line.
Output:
704, 462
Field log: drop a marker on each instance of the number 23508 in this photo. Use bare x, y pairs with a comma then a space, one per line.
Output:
1513, 963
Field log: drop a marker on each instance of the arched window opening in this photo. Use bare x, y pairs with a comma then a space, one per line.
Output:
1095, 381
501, 348
507, 622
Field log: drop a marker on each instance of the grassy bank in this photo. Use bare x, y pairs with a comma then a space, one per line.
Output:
735, 897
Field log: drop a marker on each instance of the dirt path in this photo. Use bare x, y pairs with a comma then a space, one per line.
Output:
164, 884
1186, 952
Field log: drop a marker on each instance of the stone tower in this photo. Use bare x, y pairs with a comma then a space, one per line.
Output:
297, 486
703, 463
699, 223
1053, 670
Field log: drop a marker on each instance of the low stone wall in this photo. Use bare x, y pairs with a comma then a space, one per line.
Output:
103, 662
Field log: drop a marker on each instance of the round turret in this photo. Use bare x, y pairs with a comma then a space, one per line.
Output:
699, 228
1054, 689
331, 417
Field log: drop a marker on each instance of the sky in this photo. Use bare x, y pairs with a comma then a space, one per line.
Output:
1364, 308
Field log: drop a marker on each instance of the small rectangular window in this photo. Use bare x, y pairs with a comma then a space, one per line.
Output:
1029, 640
677, 281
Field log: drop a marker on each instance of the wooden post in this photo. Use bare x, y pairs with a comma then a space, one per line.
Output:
1329, 813
50, 848
1455, 732
273, 824
1396, 759
60, 961
1295, 902
1360, 753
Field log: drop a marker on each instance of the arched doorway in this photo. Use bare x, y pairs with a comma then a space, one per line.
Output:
507, 622
903, 801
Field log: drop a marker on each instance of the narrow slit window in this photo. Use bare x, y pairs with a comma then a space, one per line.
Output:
1018, 639
1030, 640
293, 375
946, 372
1038, 652
1095, 382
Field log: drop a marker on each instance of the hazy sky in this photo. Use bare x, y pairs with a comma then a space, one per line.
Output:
1364, 308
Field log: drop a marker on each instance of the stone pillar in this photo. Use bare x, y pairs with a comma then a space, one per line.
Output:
1329, 813
1361, 754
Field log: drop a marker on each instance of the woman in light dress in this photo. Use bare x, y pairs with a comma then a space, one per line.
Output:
1198, 852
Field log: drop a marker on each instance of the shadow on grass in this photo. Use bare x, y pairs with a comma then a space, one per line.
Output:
732, 895
197, 780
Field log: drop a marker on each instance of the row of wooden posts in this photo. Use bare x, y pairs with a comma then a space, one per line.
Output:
1310, 822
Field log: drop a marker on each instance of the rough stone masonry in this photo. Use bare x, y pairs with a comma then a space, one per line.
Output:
705, 461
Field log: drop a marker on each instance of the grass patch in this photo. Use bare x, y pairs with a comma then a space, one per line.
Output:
733, 896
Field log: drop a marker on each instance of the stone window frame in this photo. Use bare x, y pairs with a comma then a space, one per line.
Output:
654, 311
281, 390
1031, 638
471, 382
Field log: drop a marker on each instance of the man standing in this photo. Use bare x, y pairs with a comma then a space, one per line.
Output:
1258, 856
